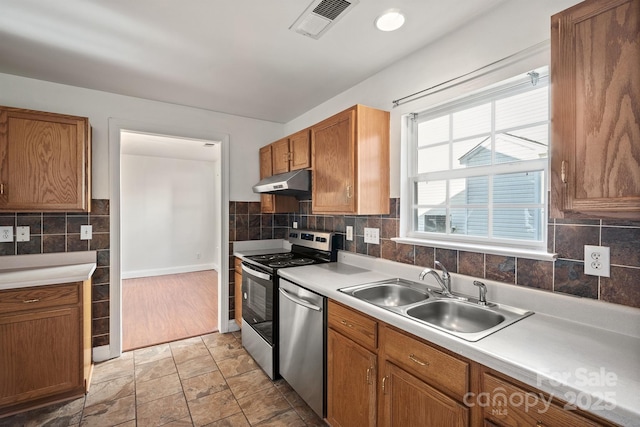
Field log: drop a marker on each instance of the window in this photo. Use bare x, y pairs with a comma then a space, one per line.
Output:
478, 167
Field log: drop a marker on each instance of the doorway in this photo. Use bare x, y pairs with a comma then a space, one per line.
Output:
167, 218
217, 143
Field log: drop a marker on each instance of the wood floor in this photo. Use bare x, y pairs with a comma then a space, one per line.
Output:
161, 309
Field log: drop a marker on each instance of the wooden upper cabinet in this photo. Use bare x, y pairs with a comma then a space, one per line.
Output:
45, 161
300, 149
270, 203
350, 162
291, 153
595, 76
280, 156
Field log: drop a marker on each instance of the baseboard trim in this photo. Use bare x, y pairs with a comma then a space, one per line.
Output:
169, 270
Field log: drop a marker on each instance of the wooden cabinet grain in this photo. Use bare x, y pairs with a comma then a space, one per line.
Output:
421, 385
351, 379
507, 404
271, 203
292, 153
45, 161
595, 86
45, 345
350, 162
237, 291
411, 402
351, 368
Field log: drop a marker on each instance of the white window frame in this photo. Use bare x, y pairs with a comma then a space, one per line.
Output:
408, 233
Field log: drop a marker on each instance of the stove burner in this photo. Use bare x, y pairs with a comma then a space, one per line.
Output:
278, 264
302, 261
273, 257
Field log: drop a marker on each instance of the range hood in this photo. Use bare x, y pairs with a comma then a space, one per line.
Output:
296, 183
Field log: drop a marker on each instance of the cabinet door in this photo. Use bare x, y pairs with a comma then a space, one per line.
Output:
44, 162
237, 299
333, 159
509, 405
595, 71
39, 355
300, 146
266, 170
410, 402
351, 383
280, 156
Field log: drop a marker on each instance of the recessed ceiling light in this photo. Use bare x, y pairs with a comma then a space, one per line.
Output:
390, 20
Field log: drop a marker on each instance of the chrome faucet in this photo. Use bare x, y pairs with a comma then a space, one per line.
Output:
483, 292
444, 281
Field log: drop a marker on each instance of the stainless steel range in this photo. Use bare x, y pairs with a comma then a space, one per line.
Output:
260, 287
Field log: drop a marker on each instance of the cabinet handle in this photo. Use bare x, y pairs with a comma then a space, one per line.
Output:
369, 375
418, 361
31, 301
2, 188
344, 322
349, 195
563, 172
384, 384
539, 424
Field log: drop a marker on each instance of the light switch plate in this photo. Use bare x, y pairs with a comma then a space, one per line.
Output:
23, 233
372, 235
349, 232
6, 234
86, 232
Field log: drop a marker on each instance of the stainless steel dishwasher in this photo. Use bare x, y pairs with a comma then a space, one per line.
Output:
303, 343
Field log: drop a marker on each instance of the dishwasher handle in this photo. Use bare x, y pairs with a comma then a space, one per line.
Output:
299, 301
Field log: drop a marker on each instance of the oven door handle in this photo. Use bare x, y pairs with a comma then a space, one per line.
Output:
256, 273
299, 301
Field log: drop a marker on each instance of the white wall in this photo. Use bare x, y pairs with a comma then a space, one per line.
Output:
246, 135
167, 215
513, 26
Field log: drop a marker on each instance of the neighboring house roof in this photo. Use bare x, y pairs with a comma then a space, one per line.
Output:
510, 146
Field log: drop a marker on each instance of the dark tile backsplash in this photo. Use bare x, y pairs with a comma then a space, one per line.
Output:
566, 237
60, 232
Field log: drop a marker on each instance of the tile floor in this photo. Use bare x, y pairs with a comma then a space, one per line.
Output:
203, 381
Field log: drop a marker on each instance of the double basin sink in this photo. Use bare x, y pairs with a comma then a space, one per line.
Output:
459, 316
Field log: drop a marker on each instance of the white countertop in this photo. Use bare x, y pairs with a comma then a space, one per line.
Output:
22, 271
576, 361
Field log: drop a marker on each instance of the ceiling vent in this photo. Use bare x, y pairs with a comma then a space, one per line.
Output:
320, 16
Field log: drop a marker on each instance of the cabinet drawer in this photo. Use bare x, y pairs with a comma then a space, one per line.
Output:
351, 323
511, 405
39, 297
426, 362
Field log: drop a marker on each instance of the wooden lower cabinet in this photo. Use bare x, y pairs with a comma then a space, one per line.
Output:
411, 402
45, 347
351, 391
508, 404
422, 385
237, 291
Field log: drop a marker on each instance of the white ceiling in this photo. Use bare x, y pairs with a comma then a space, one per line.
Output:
237, 57
142, 144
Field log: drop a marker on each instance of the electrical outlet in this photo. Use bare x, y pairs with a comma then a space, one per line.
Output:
86, 232
349, 232
23, 234
596, 260
295, 224
6, 234
372, 235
